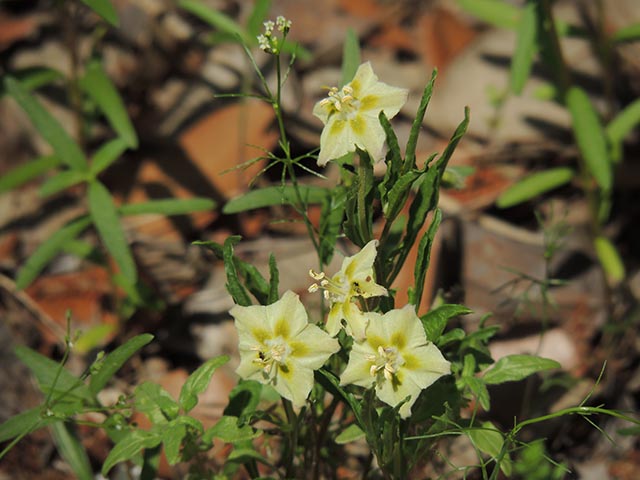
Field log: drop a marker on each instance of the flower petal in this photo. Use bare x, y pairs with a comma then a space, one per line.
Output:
393, 392
358, 368
383, 97
356, 321
363, 80
336, 140
312, 347
286, 317
294, 383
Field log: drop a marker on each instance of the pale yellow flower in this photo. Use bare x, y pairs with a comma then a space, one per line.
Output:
350, 116
355, 279
395, 358
279, 347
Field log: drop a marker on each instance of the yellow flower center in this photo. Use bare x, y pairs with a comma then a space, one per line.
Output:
387, 361
276, 352
341, 101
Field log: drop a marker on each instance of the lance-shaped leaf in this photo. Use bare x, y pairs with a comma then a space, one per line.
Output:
99, 87
590, 137
22, 174
105, 9
112, 362
52, 376
130, 445
526, 47
198, 382
63, 145
105, 217
534, 185
517, 367
71, 450
62, 181
169, 206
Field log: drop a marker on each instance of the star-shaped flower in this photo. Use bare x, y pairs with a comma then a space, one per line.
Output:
279, 347
355, 279
350, 116
396, 358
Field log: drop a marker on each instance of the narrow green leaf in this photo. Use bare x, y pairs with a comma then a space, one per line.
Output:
32, 78
71, 450
95, 336
22, 174
513, 368
62, 181
424, 257
331, 217
496, 12
277, 195
234, 287
534, 185
129, 446
623, 124
198, 382
47, 372
108, 153
45, 252
274, 280
253, 280
24, 423
610, 260
105, 9
112, 362
105, 217
216, 19
398, 193
526, 47
63, 145
156, 403
257, 17
590, 137
627, 34
350, 434
244, 455
350, 56
97, 85
426, 198
172, 437
227, 430
169, 206
435, 321
416, 126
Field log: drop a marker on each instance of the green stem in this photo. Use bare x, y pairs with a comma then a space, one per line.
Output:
284, 144
292, 419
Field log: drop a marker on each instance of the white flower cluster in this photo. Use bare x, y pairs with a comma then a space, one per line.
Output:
270, 43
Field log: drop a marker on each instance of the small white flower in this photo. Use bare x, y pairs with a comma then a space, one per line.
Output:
395, 358
279, 347
268, 27
350, 116
283, 24
355, 279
